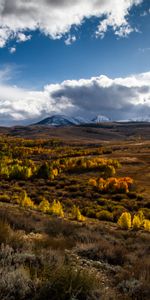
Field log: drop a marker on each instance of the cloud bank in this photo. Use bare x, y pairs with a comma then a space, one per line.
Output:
119, 98
54, 18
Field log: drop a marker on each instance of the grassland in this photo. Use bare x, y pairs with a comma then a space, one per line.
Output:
49, 255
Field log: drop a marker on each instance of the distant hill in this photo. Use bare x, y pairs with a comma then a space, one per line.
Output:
91, 133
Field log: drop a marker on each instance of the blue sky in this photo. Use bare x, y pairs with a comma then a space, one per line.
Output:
33, 57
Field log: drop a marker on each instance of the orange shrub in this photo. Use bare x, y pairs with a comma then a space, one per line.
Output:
112, 184
92, 182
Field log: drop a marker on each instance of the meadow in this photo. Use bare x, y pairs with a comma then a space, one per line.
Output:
74, 218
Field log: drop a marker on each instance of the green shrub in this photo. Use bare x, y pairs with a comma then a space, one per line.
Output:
66, 283
132, 195
89, 212
118, 197
104, 215
118, 210
4, 198
102, 201
15, 283
146, 212
44, 171
20, 172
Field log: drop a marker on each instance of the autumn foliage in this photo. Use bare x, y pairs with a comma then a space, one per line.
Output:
112, 184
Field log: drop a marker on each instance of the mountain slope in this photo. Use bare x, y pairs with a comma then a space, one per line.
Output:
58, 120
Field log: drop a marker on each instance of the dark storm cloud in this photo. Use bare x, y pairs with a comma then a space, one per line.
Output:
120, 98
101, 97
114, 98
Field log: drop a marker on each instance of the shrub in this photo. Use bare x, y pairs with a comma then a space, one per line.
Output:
4, 198
76, 214
141, 216
5, 231
57, 209
146, 212
118, 197
67, 282
104, 215
125, 220
102, 201
25, 201
118, 210
89, 212
92, 182
54, 173
20, 172
15, 284
43, 171
146, 225
132, 195
136, 223
109, 171
44, 206
112, 184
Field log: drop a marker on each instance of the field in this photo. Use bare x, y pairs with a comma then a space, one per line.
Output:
62, 194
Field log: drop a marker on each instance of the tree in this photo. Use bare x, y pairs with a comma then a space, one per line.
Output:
44, 206
76, 214
146, 225
43, 171
57, 209
124, 221
136, 223
26, 201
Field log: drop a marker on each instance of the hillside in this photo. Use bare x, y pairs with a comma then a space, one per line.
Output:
93, 133
60, 204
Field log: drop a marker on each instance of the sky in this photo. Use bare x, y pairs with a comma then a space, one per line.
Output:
79, 58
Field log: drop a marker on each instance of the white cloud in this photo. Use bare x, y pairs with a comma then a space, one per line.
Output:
117, 18
5, 34
54, 18
21, 37
70, 40
12, 50
118, 98
19, 105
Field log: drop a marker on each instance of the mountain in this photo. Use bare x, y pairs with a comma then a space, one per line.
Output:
59, 120
100, 118
63, 120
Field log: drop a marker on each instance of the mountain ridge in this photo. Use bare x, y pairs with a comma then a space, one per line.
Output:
59, 120
64, 120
